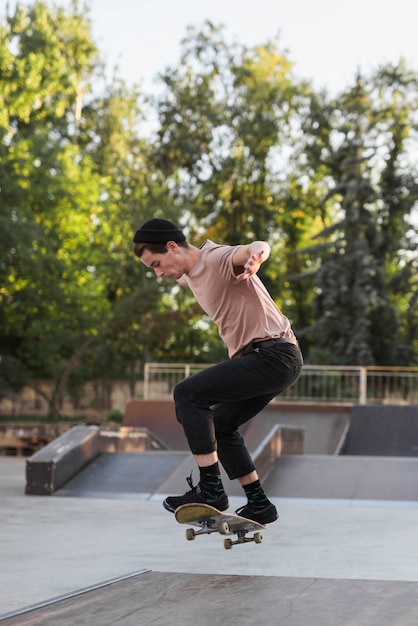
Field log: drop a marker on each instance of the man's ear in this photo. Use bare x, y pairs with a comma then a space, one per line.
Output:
172, 246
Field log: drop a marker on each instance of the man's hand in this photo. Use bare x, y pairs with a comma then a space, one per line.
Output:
252, 265
250, 257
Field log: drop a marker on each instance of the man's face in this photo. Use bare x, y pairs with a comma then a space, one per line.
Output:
168, 265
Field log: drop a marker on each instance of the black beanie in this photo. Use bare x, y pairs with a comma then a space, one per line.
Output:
159, 231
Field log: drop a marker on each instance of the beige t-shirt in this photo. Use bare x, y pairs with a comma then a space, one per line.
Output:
243, 310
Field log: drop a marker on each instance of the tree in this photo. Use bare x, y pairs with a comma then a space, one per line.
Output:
60, 208
225, 111
361, 152
243, 151
44, 180
75, 184
228, 121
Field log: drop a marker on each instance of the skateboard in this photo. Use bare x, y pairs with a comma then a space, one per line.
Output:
210, 520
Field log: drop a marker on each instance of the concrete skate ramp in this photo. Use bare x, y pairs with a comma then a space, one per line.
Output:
383, 431
160, 417
203, 599
325, 425
123, 474
344, 477
140, 475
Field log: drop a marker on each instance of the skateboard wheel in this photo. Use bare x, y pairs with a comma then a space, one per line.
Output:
258, 538
228, 543
223, 528
190, 534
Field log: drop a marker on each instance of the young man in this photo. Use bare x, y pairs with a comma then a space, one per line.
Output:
265, 359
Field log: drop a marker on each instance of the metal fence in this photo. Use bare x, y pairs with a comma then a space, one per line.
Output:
318, 383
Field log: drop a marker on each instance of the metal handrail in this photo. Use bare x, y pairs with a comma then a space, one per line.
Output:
318, 383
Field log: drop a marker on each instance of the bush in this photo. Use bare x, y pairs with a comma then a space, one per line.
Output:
115, 416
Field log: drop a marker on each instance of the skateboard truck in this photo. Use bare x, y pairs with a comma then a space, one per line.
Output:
210, 520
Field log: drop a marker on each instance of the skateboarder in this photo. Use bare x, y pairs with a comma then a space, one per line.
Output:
264, 359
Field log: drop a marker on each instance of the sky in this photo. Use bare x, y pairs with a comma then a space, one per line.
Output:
327, 41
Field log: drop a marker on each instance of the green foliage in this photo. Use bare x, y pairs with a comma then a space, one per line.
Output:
368, 244
115, 416
225, 112
243, 151
13, 375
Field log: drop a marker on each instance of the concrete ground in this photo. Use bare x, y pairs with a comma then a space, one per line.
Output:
324, 562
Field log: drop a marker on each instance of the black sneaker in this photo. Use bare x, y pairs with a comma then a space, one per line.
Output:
195, 495
265, 516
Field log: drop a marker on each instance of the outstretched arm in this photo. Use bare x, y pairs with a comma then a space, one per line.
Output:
250, 257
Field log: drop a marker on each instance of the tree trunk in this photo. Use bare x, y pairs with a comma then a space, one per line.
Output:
56, 400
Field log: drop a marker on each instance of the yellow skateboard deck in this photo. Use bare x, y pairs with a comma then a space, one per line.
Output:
210, 520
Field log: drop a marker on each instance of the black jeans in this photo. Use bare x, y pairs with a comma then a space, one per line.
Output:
212, 404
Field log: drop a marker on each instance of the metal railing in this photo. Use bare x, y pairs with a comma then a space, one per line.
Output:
318, 383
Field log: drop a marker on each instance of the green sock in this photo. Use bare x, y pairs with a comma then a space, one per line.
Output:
210, 482
257, 499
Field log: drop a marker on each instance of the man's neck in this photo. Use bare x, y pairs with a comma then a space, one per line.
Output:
192, 258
